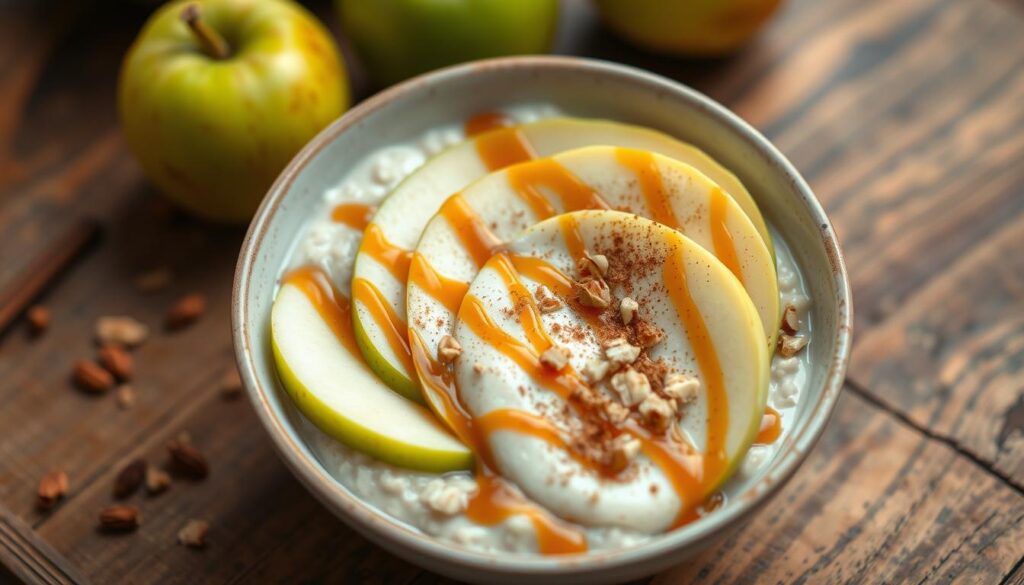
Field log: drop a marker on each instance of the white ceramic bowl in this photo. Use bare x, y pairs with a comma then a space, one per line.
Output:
579, 87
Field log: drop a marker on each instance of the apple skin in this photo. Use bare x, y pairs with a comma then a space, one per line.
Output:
397, 39
213, 134
687, 27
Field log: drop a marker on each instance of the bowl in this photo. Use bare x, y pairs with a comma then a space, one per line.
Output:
580, 87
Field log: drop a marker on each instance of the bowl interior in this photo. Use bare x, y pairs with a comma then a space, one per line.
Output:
581, 88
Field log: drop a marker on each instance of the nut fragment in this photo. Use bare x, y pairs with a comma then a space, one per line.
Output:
790, 323
157, 480
593, 293
631, 386
554, 358
546, 301
657, 413
789, 345
89, 376
595, 370
231, 384
187, 460
448, 349
129, 479
186, 311
52, 487
624, 450
621, 352
153, 280
125, 396
193, 533
648, 335
116, 360
120, 518
38, 319
681, 388
123, 331
592, 265
627, 309
615, 413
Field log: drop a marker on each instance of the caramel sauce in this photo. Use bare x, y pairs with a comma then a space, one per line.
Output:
334, 308
354, 215
571, 234
476, 237
387, 320
439, 389
771, 427
542, 272
503, 147
529, 315
528, 179
721, 238
396, 260
447, 291
643, 165
485, 122
707, 361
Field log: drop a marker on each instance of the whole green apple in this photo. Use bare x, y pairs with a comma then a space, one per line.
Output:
397, 39
216, 96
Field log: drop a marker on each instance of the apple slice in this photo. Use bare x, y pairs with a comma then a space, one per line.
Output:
383, 257
530, 417
335, 390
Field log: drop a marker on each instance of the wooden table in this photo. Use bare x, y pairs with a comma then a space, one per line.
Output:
907, 118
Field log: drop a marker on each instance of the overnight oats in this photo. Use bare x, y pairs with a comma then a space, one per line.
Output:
542, 334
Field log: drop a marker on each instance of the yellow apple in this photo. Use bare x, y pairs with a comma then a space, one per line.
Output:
216, 96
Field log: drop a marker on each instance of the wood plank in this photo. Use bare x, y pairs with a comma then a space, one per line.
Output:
952, 360
29, 558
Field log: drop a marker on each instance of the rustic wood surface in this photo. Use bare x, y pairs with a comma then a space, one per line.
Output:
906, 117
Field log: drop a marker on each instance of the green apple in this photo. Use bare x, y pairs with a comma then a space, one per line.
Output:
340, 395
216, 96
683, 189
426, 189
675, 281
397, 39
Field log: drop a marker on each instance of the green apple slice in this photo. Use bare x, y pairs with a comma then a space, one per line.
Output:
335, 390
403, 215
674, 193
712, 332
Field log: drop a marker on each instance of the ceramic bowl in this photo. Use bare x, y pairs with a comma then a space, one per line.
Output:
583, 88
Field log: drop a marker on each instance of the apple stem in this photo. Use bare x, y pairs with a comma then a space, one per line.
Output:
213, 44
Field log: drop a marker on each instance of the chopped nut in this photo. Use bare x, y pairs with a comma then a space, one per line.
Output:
120, 518
38, 319
624, 450
615, 413
648, 335
627, 309
231, 384
657, 412
790, 323
592, 265
157, 480
546, 302
789, 345
186, 311
593, 293
89, 376
124, 331
129, 479
554, 358
154, 280
193, 533
631, 386
187, 460
621, 352
595, 370
116, 360
125, 396
681, 388
448, 349
52, 487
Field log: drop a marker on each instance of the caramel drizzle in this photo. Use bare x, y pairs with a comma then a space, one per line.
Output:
395, 259
447, 291
354, 215
643, 164
527, 180
384, 315
469, 227
503, 147
485, 122
771, 427
570, 229
707, 361
332, 306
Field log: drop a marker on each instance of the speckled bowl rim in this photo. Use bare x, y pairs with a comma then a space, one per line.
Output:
384, 529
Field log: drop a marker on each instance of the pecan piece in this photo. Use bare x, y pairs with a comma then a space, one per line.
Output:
186, 311
448, 349
593, 293
117, 361
52, 487
89, 376
129, 479
187, 460
120, 518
